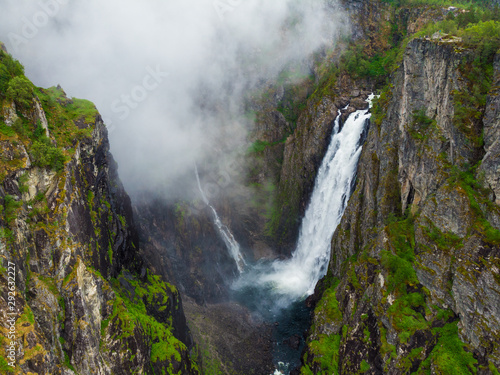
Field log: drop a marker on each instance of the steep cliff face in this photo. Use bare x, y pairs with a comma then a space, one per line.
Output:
413, 284
75, 296
182, 243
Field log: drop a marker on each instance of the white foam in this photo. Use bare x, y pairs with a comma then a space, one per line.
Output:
297, 277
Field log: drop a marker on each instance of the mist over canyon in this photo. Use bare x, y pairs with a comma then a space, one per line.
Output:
169, 77
309, 187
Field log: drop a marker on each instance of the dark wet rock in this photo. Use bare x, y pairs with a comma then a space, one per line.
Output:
405, 175
230, 339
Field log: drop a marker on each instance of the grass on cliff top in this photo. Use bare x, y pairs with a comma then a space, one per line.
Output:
9, 69
62, 114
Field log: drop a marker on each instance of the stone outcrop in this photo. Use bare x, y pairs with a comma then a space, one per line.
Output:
413, 283
85, 302
182, 243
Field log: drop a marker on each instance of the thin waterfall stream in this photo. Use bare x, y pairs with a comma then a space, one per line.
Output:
232, 245
275, 291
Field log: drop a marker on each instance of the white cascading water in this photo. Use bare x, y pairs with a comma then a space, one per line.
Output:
297, 277
281, 283
232, 245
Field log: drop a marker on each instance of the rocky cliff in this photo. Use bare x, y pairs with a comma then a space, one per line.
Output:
183, 244
414, 281
76, 295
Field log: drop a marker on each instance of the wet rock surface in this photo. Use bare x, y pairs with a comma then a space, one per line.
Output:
230, 340
417, 201
70, 232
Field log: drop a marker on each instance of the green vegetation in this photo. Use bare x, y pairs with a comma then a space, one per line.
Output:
444, 241
421, 126
263, 198
130, 312
469, 105
81, 109
9, 69
449, 356
364, 367
10, 207
4, 366
325, 350
399, 260
69, 120
326, 353
493, 370
23, 180
405, 315
45, 155
477, 30
204, 354
380, 104
292, 112
475, 33
477, 195
259, 146
407, 310
20, 90
356, 62
67, 362
63, 114
8, 212
110, 253
8, 131
296, 92
329, 303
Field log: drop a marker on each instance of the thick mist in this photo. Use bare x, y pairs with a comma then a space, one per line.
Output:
168, 76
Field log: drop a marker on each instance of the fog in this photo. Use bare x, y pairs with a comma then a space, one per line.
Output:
168, 76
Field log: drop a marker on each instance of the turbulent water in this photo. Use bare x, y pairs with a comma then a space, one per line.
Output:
275, 290
232, 245
297, 277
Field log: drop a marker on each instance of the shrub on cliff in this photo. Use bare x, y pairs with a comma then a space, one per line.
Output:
20, 90
9, 68
45, 155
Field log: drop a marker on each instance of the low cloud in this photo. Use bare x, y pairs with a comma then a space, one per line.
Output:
168, 76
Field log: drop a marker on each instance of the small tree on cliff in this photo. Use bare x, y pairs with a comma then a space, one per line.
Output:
20, 90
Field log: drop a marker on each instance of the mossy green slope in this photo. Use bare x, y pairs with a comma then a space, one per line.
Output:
67, 225
416, 255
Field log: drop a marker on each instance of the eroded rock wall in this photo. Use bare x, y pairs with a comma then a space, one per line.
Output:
84, 300
413, 284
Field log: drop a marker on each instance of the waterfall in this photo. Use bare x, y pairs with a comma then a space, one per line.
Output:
232, 245
290, 280
275, 289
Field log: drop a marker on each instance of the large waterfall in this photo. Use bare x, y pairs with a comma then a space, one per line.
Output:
275, 290
297, 277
